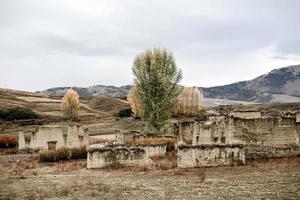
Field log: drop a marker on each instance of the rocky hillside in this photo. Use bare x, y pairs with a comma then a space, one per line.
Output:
279, 85
97, 90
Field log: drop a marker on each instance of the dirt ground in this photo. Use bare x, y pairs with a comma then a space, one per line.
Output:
22, 177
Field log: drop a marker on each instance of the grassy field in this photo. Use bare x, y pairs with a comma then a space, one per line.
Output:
22, 177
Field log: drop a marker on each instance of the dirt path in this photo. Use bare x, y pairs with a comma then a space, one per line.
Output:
276, 179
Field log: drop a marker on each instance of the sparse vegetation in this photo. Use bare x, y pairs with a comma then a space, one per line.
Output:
70, 104
78, 152
16, 113
156, 81
8, 141
152, 141
63, 153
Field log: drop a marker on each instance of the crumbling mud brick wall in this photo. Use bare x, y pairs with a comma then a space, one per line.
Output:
54, 136
210, 155
127, 155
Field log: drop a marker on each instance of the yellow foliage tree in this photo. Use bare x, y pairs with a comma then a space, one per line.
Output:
70, 104
134, 102
189, 102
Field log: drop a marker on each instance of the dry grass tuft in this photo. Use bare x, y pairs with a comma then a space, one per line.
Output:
152, 141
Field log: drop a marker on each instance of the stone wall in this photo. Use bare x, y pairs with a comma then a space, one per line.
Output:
267, 131
246, 114
108, 156
262, 131
253, 152
53, 136
185, 132
128, 155
210, 155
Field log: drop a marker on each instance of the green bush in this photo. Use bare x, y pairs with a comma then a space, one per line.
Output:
78, 152
17, 113
126, 112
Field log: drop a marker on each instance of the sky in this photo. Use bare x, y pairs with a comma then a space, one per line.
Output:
53, 43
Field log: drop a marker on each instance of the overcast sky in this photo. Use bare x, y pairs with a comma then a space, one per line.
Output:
48, 43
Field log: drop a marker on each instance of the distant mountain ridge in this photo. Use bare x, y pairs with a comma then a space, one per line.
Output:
282, 82
279, 85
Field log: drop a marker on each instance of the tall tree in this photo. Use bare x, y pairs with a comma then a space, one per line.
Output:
70, 104
156, 81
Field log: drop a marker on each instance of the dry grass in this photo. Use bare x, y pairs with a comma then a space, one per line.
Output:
71, 166
152, 141
101, 141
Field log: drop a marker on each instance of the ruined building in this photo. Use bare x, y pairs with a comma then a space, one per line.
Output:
53, 136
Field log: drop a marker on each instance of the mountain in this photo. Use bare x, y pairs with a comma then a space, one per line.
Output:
97, 90
279, 85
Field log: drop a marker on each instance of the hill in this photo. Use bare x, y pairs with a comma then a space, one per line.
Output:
279, 85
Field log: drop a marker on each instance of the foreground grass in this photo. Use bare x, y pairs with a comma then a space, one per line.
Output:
26, 178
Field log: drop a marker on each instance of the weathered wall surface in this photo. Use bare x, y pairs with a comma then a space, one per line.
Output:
129, 155
60, 136
215, 132
247, 115
185, 132
267, 131
108, 156
262, 131
209, 155
253, 152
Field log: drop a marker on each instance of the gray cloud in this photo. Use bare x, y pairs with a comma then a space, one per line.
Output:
75, 42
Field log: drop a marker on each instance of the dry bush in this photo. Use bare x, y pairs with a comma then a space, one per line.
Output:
78, 152
152, 141
70, 104
54, 155
71, 166
62, 153
166, 162
100, 141
8, 141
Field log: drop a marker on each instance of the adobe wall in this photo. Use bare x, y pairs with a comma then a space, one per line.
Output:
209, 155
150, 150
262, 131
246, 115
127, 155
215, 132
253, 152
62, 136
267, 131
185, 132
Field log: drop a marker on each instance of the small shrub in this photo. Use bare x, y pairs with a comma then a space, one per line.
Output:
126, 112
8, 141
78, 153
17, 113
152, 141
54, 155
47, 156
62, 154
